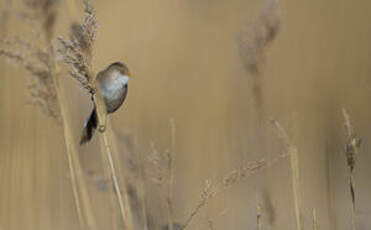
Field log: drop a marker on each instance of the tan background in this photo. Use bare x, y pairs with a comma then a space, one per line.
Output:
184, 56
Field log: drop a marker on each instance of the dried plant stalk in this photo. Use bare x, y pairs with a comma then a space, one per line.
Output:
77, 178
294, 163
353, 142
74, 162
315, 223
330, 198
210, 224
142, 189
161, 172
171, 159
258, 216
77, 54
121, 194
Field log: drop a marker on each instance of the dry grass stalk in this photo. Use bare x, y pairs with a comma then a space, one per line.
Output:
142, 188
207, 193
77, 54
234, 177
258, 216
294, 163
315, 223
158, 161
210, 224
39, 60
161, 172
330, 198
353, 142
253, 42
122, 196
171, 159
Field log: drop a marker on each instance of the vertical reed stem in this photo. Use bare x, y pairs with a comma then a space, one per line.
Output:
315, 223
258, 215
171, 159
122, 195
79, 187
294, 163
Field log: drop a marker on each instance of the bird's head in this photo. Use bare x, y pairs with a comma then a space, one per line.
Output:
120, 71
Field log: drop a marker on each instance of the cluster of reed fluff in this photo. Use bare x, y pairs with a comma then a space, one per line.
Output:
33, 55
256, 36
353, 143
253, 41
77, 52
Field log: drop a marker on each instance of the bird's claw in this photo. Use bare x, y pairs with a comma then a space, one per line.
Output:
101, 128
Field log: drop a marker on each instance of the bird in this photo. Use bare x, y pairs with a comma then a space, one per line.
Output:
112, 83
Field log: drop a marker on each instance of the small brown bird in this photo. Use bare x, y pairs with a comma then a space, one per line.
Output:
113, 86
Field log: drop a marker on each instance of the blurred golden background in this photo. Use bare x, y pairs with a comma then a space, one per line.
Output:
185, 59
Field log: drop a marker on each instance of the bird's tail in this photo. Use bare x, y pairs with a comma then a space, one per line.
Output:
89, 127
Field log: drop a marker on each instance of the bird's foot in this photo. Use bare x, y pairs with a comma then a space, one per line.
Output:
101, 128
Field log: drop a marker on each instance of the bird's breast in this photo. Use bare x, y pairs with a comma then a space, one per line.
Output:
114, 93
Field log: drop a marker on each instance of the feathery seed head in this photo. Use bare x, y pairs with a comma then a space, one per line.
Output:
77, 52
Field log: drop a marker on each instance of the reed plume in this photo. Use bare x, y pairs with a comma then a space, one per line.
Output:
253, 41
77, 52
35, 59
353, 142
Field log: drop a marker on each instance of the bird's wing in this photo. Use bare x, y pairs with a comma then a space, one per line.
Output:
100, 75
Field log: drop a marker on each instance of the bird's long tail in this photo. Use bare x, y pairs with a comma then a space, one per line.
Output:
89, 127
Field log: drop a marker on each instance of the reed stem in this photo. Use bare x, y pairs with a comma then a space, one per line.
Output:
121, 195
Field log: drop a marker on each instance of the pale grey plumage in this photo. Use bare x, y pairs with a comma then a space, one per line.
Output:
113, 86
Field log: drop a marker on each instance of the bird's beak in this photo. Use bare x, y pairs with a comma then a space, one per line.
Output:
129, 75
